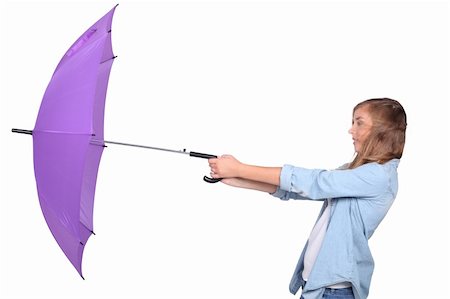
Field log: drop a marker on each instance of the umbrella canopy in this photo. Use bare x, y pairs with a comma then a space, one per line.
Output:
66, 160
68, 139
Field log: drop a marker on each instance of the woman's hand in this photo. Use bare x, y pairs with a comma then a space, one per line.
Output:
228, 166
233, 173
225, 166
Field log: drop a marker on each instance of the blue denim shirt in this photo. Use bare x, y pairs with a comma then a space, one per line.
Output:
361, 197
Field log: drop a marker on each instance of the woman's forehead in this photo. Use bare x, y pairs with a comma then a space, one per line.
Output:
361, 113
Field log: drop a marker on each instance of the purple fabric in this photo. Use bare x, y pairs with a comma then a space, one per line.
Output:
66, 160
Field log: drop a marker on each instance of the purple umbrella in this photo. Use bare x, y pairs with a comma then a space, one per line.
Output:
68, 139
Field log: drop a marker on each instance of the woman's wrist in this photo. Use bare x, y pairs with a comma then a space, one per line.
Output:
268, 175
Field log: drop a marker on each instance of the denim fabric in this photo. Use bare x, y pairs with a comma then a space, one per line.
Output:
360, 199
346, 293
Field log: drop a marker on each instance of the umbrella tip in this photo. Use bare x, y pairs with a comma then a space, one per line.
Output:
22, 131
93, 233
112, 58
82, 277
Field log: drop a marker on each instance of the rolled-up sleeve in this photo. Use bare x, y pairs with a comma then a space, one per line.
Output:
285, 195
367, 180
281, 194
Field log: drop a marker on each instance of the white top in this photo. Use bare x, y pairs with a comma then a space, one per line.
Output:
315, 242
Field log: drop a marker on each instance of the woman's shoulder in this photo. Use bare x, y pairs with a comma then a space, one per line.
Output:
393, 163
381, 172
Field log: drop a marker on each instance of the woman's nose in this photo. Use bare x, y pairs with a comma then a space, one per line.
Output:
350, 131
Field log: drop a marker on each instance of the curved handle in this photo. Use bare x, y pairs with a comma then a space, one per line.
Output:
205, 156
211, 180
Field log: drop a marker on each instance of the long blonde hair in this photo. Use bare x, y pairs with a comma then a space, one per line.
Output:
386, 138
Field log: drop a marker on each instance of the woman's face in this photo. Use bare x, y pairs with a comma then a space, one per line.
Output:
361, 125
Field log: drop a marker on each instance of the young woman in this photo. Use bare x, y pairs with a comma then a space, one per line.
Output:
336, 261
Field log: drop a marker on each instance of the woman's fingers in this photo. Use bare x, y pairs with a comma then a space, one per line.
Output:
223, 166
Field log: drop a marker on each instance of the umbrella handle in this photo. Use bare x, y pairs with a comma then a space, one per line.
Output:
205, 156
211, 180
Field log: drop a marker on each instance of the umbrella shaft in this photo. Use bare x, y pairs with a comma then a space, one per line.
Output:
148, 147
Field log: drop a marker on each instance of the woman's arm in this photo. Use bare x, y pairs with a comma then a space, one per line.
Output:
248, 184
365, 181
229, 167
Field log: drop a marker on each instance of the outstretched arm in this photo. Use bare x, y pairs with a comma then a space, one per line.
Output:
235, 173
248, 184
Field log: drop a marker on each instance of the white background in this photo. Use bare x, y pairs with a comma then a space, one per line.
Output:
269, 82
